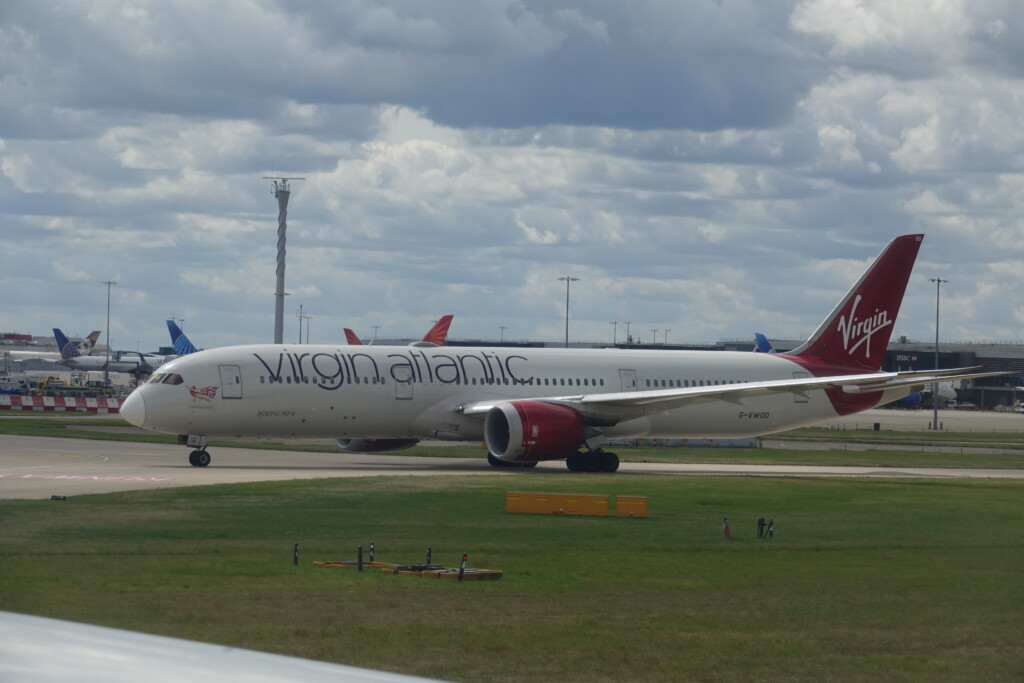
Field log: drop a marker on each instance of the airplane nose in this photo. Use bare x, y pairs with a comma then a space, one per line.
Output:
134, 409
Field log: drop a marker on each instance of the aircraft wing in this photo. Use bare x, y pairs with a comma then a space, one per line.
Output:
921, 378
50, 650
667, 399
627, 404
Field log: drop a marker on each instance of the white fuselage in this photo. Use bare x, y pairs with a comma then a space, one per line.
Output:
407, 392
123, 362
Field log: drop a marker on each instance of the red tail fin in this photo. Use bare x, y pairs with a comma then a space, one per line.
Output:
857, 331
351, 338
438, 334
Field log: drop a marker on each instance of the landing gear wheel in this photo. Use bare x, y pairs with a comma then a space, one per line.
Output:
576, 462
593, 461
609, 462
498, 462
199, 458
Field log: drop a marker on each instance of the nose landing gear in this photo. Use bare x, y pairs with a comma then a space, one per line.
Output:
199, 457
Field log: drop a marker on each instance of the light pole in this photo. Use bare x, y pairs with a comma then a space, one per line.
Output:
615, 332
106, 365
375, 328
502, 328
567, 281
654, 336
303, 317
179, 321
628, 338
935, 386
666, 337
282, 191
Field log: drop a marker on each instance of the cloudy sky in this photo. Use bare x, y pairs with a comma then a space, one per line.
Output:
711, 168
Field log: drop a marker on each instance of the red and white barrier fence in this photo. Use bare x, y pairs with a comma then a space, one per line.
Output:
60, 403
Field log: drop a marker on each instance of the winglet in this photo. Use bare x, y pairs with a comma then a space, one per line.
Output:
857, 331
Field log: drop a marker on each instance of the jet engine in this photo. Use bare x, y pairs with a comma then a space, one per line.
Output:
374, 445
528, 431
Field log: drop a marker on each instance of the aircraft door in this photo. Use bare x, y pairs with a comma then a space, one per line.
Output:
628, 378
230, 381
403, 382
800, 398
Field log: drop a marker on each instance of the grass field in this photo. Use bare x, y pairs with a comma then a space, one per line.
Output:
898, 580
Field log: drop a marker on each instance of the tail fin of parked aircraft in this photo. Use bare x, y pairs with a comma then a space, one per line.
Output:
182, 345
87, 345
68, 349
761, 344
438, 334
857, 331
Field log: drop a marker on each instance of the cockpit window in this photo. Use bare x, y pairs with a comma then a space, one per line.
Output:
165, 378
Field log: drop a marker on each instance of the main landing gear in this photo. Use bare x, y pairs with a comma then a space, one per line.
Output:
593, 461
497, 462
589, 461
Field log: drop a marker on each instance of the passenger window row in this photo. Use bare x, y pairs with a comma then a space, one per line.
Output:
685, 383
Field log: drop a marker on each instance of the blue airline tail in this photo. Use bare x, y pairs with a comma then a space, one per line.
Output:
761, 344
67, 348
182, 345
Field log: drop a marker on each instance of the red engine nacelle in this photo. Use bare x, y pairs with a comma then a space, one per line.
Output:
374, 445
527, 431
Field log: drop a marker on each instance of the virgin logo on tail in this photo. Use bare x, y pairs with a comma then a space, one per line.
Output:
861, 330
844, 338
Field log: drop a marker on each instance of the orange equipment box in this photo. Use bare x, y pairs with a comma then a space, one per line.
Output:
557, 504
631, 506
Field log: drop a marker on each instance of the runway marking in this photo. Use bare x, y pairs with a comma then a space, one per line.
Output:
80, 477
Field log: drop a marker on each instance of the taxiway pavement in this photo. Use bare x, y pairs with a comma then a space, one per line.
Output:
41, 467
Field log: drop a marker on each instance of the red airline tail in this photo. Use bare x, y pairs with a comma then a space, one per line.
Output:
857, 331
351, 338
438, 334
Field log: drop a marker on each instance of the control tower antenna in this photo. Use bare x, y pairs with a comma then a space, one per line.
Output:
282, 191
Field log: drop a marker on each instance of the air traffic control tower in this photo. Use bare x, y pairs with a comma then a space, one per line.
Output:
282, 191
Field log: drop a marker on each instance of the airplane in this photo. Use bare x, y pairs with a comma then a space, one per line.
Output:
182, 344
436, 336
82, 348
121, 361
536, 404
946, 394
